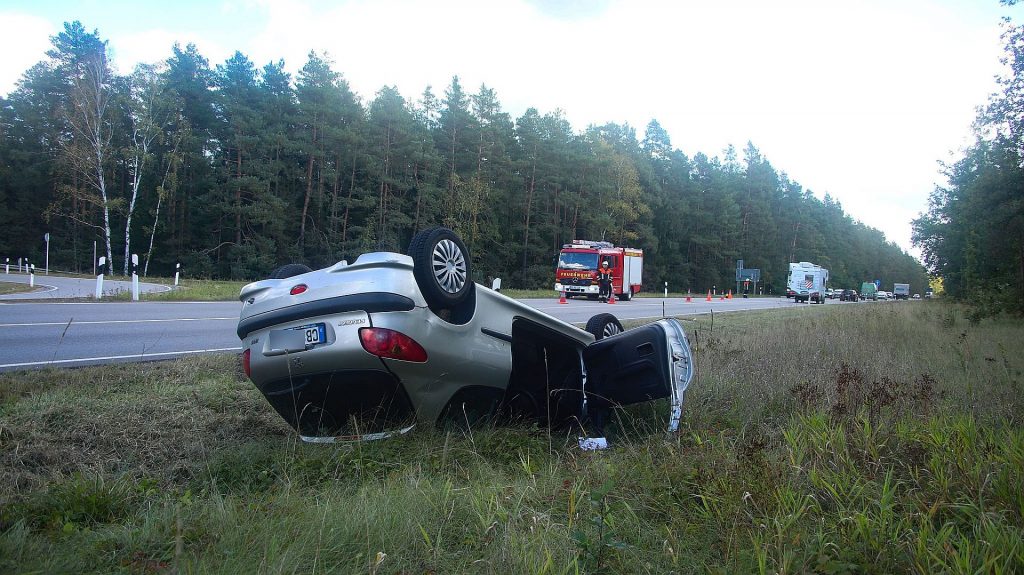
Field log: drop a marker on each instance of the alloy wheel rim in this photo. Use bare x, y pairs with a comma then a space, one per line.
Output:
611, 329
449, 266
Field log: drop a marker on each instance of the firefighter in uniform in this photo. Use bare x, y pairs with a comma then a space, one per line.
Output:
604, 281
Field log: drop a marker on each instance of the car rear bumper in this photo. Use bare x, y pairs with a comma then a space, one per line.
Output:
366, 302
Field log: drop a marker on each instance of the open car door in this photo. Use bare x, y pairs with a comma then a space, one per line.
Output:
649, 362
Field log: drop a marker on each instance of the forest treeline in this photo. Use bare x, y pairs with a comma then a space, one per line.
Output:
234, 169
972, 234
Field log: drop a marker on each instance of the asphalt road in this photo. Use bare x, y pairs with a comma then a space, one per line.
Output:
59, 287
35, 335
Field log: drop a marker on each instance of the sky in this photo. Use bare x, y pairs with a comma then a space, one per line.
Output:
860, 99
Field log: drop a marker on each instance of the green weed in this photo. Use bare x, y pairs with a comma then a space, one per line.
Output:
892, 444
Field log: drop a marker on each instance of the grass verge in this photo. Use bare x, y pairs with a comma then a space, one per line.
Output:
838, 439
197, 290
13, 287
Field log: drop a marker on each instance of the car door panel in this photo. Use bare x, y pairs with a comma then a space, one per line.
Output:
629, 367
649, 362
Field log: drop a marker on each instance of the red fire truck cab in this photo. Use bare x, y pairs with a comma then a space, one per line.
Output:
579, 261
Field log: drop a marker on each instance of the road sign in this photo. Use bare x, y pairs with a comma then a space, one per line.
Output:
744, 274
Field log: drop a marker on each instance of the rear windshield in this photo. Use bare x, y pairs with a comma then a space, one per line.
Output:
577, 261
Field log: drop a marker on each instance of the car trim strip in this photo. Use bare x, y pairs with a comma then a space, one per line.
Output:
496, 334
372, 302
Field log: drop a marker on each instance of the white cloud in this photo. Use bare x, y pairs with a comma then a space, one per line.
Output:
153, 46
23, 43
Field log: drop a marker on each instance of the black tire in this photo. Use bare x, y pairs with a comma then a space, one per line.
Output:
604, 325
441, 267
289, 270
627, 296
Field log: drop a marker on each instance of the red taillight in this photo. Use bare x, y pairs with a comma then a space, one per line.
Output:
301, 288
245, 363
391, 344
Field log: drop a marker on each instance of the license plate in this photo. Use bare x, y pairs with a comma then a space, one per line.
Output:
313, 334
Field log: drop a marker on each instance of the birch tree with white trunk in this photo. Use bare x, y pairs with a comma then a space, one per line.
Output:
87, 151
169, 182
144, 111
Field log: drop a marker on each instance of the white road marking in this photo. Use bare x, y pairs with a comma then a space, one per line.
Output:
112, 357
110, 302
119, 321
48, 287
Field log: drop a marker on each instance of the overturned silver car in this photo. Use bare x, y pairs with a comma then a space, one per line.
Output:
368, 349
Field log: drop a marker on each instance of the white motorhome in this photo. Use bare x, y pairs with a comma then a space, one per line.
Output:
807, 282
901, 291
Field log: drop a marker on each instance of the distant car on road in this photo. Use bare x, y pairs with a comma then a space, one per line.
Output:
849, 295
917, 296
363, 350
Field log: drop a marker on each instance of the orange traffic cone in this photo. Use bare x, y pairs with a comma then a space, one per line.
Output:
688, 299
729, 296
611, 298
709, 295
562, 299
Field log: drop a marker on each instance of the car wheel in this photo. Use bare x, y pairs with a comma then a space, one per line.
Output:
441, 267
627, 296
289, 270
604, 325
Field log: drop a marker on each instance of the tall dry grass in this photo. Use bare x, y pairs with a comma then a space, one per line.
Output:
873, 438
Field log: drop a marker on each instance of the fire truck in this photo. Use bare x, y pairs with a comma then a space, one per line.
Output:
579, 261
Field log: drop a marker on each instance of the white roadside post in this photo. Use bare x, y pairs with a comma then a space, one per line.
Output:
19, 265
99, 277
666, 290
135, 277
46, 238
7, 266
177, 270
32, 276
